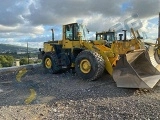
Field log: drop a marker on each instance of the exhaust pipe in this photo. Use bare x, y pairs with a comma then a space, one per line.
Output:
52, 34
125, 36
120, 36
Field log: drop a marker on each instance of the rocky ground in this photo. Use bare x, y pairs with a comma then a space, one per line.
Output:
37, 95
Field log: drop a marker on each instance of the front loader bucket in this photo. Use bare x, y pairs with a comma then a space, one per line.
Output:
134, 70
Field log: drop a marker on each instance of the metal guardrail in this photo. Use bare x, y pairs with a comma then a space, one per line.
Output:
17, 68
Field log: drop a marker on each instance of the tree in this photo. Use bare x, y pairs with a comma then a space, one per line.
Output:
6, 60
38, 61
31, 61
23, 61
1, 66
10, 60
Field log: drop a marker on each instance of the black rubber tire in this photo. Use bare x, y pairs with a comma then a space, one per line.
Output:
55, 68
97, 65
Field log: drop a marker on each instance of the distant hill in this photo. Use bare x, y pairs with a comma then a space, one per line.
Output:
4, 48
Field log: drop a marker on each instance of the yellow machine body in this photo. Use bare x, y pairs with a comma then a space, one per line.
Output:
89, 58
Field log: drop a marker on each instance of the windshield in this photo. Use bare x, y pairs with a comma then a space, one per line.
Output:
82, 28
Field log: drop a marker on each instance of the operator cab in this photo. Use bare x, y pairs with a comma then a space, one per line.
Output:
75, 31
108, 36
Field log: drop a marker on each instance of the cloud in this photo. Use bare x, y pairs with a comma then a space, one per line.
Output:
11, 12
65, 11
150, 30
22, 29
144, 8
98, 22
12, 22
31, 20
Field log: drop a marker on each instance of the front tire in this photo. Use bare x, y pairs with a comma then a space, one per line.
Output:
89, 65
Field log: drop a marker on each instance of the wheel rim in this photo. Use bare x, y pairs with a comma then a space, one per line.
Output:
85, 66
48, 63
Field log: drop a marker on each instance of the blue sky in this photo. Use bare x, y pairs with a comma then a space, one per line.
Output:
31, 20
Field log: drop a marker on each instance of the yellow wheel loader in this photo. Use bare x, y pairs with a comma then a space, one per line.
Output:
133, 54
90, 58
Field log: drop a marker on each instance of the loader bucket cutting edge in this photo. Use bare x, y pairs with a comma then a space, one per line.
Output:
134, 70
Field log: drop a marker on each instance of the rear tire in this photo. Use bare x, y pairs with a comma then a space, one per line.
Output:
89, 65
50, 63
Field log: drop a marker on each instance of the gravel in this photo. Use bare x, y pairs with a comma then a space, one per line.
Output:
65, 96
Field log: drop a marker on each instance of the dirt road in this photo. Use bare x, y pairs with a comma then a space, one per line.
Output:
35, 94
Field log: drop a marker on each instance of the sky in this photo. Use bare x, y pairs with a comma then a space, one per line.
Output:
31, 21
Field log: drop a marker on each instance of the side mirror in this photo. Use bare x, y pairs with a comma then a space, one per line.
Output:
40, 49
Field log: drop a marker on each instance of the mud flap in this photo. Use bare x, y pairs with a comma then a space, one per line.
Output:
134, 70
